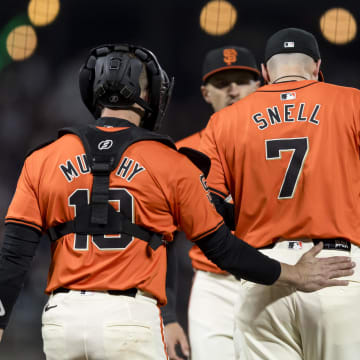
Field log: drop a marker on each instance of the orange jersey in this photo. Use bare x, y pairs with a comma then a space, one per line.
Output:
198, 259
289, 155
153, 185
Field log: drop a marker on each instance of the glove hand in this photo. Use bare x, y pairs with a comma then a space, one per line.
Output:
174, 334
1, 334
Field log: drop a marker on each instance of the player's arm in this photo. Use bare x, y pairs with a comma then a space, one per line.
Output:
216, 177
18, 249
23, 227
225, 209
217, 174
168, 312
176, 341
199, 219
239, 258
174, 333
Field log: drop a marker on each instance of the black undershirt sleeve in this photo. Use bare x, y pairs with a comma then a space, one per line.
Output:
168, 312
19, 246
225, 209
239, 258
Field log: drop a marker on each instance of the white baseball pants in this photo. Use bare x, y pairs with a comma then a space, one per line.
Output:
99, 326
279, 323
211, 316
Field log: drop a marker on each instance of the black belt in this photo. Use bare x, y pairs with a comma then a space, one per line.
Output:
129, 292
329, 244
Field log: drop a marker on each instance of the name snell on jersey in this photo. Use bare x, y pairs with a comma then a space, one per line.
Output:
289, 113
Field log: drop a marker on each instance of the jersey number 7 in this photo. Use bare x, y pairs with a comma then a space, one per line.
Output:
300, 149
120, 198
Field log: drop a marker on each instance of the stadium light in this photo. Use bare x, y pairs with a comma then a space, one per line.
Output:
338, 26
218, 17
43, 12
21, 42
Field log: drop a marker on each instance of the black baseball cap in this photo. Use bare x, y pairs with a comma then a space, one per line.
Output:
229, 57
293, 40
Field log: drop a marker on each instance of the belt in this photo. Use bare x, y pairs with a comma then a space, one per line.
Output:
129, 292
329, 244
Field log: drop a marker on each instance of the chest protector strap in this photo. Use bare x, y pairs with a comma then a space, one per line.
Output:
103, 152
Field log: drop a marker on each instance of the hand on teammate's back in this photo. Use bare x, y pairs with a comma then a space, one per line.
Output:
312, 273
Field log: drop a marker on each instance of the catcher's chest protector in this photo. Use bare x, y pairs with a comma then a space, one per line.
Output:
103, 151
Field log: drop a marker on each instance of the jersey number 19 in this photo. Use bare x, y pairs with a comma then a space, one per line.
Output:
119, 198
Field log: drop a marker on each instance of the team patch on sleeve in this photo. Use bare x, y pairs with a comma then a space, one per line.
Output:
206, 188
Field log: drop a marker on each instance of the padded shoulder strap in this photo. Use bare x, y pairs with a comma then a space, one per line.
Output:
112, 144
198, 158
38, 147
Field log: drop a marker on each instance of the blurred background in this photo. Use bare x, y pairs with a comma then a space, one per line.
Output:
44, 42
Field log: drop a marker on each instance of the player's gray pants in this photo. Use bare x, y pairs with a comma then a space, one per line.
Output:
279, 323
99, 326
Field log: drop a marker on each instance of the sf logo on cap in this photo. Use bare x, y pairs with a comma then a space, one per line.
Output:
105, 144
230, 56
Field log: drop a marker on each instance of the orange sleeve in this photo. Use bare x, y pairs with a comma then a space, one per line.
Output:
357, 112
193, 210
24, 208
216, 178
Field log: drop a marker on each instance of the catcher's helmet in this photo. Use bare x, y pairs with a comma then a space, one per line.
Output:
110, 78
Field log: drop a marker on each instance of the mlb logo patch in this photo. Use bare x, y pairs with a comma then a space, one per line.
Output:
295, 245
288, 96
289, 44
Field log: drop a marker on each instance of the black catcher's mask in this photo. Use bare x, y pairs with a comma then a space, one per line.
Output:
110, 78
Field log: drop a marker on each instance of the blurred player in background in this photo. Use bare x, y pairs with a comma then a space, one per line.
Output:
289, 156
229, 74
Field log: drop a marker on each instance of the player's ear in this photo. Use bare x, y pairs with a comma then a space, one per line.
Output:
317, 69
205, 93
265, 73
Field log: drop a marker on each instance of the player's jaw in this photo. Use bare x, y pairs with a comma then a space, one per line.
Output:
233, 100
